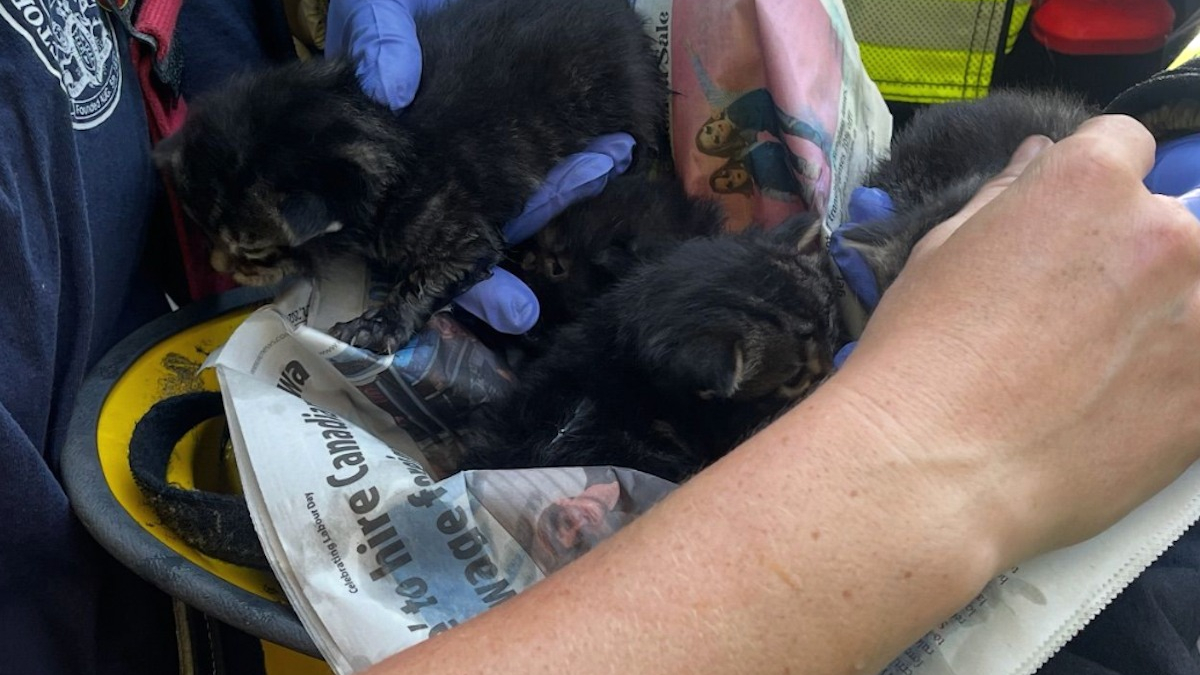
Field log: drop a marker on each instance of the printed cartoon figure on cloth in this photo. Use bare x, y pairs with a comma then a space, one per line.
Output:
759, 142
749, 132
736, 131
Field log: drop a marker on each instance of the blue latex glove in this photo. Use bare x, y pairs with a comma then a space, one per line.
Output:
1176, 170
866, 205
504, 301
381, 37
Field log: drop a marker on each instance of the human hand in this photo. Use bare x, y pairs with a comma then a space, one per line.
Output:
503, 300
380, 36
868, 205
1021, 386
1176, 171
1037, 354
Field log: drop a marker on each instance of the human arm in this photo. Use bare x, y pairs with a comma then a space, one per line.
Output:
1019, 388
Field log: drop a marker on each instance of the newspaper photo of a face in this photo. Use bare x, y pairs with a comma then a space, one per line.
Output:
559, 514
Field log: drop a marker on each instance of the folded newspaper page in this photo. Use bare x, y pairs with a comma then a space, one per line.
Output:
348, 458
347, 462
376, 555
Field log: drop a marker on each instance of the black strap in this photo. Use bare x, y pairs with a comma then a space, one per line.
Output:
216, 524
1167, 103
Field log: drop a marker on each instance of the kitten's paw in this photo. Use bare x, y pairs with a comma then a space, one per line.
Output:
374, 331
259, 276
254, 275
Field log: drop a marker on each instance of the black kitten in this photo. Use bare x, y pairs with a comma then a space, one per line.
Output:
677, 363
582, 252
296, 163
944, 155
693, 353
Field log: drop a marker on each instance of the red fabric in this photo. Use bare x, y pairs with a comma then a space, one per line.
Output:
165, 114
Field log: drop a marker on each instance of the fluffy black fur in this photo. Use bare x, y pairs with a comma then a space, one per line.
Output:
582, 252
677, 363
944, 155
692, 353
294, 163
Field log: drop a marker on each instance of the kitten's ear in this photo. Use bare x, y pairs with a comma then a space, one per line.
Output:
715, 366
623, 255
307, 217
802, 232
168, 154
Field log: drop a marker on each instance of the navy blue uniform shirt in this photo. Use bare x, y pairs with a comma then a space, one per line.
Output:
77, 195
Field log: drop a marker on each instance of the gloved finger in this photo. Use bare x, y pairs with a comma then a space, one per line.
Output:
843, 354
854, 268
578, 177
1025, 153
1176, 167
381, 38
868, 204
1191, 200
503, 301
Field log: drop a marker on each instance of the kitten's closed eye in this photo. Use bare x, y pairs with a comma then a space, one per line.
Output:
259, 253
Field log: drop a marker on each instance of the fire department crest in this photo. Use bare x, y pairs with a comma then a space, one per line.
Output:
74, 40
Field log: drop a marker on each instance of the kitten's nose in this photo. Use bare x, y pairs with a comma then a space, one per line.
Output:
221, 261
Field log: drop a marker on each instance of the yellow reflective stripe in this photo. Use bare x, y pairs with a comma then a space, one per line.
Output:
1020, 13
918, 74
925, 76
974, 25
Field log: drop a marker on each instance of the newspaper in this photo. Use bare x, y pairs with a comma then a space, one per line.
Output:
347, 458
347, 462
374, 554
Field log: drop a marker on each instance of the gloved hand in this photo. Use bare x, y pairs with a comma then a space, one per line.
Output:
1176, 173
381, 37
1176, 170
866, 205
504, 301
